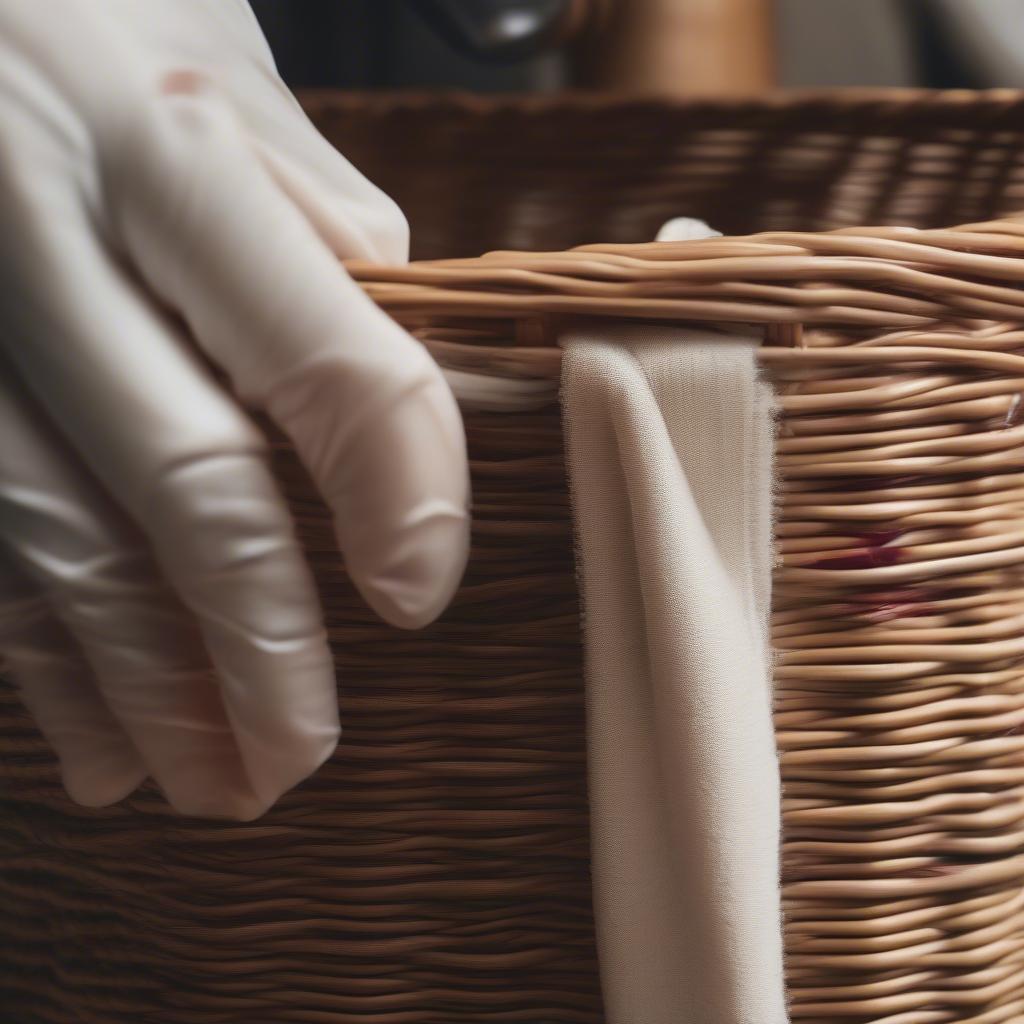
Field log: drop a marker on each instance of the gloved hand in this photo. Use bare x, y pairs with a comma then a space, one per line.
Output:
166, 206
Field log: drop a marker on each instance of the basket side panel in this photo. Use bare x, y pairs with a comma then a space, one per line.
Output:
436, 869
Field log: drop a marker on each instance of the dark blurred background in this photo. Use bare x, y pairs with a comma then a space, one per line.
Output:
681, 47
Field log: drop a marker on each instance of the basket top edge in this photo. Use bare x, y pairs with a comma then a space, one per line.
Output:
894, 277
848, 99
980, 247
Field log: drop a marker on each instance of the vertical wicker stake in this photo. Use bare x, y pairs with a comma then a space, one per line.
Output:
536, 331
786, 335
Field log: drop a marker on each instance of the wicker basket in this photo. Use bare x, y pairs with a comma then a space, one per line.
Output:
436, 869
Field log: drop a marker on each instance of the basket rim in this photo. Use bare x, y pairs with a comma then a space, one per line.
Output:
871, 278
868, 99
879, 277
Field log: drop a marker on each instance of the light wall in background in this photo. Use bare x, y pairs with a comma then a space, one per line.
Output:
845, 42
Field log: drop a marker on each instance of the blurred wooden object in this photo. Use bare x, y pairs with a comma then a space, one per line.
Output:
682, 48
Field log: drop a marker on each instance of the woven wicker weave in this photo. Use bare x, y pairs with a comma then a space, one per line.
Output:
436, 870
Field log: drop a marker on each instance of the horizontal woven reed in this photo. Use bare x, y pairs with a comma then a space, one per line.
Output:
435, 870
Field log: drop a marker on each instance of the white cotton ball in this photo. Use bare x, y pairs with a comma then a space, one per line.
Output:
681, 229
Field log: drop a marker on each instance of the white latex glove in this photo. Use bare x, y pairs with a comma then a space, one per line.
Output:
166, 206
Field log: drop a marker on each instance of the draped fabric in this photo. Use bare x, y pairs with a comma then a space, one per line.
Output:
669, 436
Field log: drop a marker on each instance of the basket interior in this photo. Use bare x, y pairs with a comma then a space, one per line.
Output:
474, 175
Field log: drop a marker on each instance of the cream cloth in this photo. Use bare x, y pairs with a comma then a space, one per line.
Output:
670, 439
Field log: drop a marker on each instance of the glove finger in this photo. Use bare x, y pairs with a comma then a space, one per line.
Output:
188, 466
98, 763
144, 650
352, 225
353, 216
367, 408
